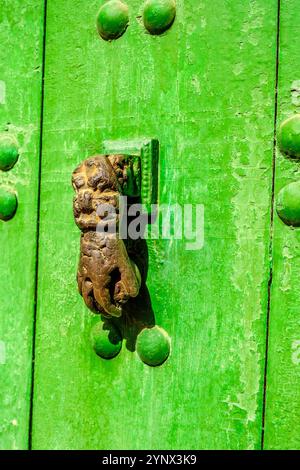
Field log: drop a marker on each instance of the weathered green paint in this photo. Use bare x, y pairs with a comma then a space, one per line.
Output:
205, 89
21, 38
283, 378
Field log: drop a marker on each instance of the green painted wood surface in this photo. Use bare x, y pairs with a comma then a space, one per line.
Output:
205, 89
283, 378
21, 38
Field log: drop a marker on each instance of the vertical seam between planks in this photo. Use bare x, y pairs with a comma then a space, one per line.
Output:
38, 228
271, 226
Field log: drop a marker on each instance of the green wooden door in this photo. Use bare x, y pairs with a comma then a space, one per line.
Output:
21, 51
212, 89
206, 90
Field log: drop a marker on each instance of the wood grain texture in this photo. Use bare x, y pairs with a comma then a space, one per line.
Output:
21, 37
205, 89
283, 378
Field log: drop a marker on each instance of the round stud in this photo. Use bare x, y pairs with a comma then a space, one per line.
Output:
8, 204
8, 153
288, 204
153, 346
159, 15
112, 19
289, 136
106, 341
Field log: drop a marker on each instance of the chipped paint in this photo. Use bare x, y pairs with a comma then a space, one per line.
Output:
2, 92
2, 353
295, 92
206, 90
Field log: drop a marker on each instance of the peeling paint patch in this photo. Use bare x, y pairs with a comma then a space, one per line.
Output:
296, 352
2, 92
238, 69
295, 91
2, 353
250, 251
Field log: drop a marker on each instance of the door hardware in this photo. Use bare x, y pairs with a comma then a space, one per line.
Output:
106, 277
8, 204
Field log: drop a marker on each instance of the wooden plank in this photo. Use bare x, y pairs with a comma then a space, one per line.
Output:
205, 89
283, 378
21, 37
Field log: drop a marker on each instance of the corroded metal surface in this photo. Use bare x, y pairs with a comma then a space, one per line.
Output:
107, 278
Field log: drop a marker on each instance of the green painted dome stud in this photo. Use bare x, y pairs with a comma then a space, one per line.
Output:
112, 20
289, 136
106, 341
8, 154
159, 15
288, 204
8, 204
